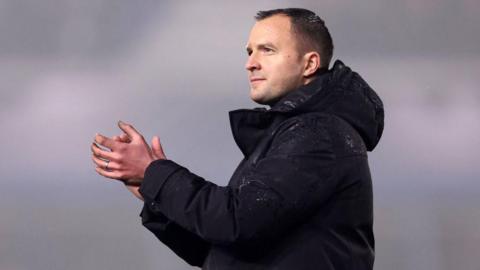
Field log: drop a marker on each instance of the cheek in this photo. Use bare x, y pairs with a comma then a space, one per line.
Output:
283, 70
293, 64
288, 72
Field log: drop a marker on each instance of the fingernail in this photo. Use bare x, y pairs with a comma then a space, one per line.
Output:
120, 122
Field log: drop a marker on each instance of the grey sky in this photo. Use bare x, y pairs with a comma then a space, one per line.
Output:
70, 68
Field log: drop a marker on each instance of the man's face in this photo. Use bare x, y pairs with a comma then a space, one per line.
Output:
274, 64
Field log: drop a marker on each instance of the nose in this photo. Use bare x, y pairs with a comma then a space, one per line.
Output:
252, 63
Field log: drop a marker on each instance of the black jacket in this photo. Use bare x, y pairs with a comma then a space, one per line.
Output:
300, 199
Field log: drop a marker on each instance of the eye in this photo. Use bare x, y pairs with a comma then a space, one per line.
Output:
267, 50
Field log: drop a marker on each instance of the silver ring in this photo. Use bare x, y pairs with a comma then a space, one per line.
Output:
106, 164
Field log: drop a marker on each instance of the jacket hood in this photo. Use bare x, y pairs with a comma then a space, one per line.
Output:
339, 91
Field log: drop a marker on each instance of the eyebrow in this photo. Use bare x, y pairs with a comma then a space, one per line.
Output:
261, 46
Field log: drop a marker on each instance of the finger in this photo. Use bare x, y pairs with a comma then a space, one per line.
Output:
109, 174
157, 148
112, 165
124, 138
105, 141
134, 190
121, 138
129, 130
100, 153
133, 182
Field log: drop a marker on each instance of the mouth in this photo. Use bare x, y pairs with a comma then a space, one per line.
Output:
255, 79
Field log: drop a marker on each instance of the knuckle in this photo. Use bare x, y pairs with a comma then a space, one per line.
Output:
115, 157
121, 148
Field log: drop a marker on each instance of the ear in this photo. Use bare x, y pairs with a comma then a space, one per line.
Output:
312, 63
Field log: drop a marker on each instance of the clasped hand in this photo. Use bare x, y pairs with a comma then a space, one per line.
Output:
125, 157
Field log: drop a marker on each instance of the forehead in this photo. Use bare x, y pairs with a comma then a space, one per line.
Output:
275, 29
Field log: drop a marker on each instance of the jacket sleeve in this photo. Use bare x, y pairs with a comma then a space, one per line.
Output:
284, 188
185, 244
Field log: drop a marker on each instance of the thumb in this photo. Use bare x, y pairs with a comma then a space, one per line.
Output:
157, 148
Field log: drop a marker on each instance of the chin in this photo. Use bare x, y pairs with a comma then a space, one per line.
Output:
261, 101
257, 98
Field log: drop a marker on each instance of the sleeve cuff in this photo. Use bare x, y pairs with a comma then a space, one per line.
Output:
156, 219
156, 175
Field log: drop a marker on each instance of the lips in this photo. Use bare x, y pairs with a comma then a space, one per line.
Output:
255, 79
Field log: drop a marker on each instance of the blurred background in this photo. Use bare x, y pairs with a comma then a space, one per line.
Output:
69, 69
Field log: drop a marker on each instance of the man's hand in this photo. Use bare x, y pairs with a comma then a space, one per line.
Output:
131, 184
129, 155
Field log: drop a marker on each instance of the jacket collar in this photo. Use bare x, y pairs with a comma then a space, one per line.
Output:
340, 92
249, 126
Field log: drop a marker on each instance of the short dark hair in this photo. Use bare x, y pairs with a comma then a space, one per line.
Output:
309, 27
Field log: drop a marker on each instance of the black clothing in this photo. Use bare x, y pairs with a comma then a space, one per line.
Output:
300, 199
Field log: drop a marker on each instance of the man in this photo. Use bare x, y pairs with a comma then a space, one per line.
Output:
302, 196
